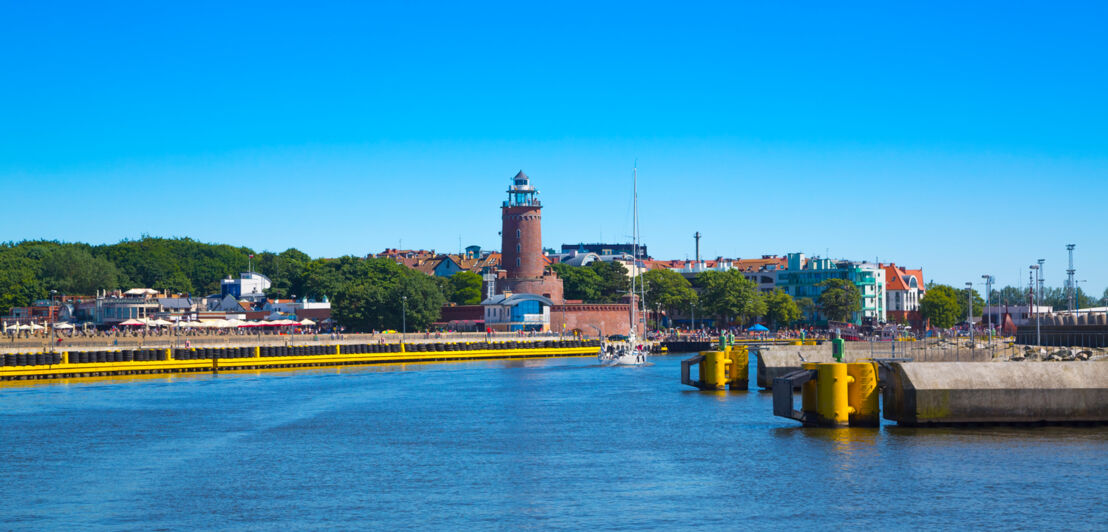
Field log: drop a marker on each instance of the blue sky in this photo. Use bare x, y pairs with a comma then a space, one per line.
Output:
963, 139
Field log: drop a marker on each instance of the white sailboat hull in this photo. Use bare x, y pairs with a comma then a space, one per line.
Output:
623, 355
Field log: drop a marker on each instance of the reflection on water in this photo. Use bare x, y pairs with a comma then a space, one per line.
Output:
541, 443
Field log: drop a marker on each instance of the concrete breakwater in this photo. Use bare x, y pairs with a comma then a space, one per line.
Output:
93, 363
980, 392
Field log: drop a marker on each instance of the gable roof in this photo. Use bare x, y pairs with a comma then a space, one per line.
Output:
897, 278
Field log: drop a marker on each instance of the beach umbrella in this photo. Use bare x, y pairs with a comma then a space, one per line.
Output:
306, 321
133, 323
62, 326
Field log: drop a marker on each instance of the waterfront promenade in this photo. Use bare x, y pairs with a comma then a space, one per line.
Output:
43, 344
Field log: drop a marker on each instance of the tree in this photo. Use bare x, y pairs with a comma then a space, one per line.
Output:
730, 296
19, 285
465, 288
781, 309
285, 270
963, 303
807, 306
940, 306
370, 294
667, 288
614, 281
1009, 295
578, 283
840, 299
73, 270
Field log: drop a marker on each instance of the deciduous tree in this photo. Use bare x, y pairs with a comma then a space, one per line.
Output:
840, 299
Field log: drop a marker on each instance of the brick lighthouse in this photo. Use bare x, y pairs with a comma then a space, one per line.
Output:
524, 265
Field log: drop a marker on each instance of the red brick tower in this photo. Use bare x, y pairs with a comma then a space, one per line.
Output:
521, 244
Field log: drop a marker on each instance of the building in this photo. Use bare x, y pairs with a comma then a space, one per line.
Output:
903, 290
250, 286
524, 293
317, 311
525, 268
802, 278
1022, 315
111, 309
607, 249
517, 312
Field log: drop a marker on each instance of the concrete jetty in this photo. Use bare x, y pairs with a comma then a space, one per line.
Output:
923, 393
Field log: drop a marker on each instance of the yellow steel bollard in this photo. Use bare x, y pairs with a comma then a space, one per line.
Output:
831, 388
738, 372
862, 394
65, 357
715, 370
169, 353
337, 351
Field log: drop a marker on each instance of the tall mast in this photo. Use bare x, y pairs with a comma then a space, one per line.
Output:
634, 242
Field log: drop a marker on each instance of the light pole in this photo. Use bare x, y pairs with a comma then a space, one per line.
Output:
1077, 297
53, 320
404, 317
988, 291
969, 311
1035, 305
1040, 279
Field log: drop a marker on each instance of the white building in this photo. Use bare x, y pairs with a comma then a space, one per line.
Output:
250, 286
517, 312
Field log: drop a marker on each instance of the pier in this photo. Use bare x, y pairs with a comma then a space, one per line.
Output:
98, 363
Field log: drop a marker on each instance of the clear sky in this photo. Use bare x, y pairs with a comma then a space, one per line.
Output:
966, 138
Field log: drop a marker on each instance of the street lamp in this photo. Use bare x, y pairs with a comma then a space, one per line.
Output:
1077, 297
969, 311
404, 317
988, 291
1040, 280
1035, 305
53, 330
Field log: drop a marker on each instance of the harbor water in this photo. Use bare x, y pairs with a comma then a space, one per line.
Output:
546, 444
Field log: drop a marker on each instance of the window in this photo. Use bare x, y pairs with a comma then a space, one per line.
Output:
517, 234
517, 249
517, 262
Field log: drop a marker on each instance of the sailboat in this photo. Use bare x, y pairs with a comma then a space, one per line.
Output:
633, 350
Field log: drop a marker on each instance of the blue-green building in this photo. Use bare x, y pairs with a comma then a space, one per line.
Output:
801, 278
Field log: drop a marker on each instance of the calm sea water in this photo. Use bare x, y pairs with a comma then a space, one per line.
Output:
543, 444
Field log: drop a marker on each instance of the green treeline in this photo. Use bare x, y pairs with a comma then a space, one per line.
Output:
365, 293
728, 296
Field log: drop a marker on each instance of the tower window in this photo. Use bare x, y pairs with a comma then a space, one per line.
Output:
517, 234
517, 249
517, 262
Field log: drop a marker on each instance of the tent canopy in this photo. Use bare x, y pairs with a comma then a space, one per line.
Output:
758, 327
